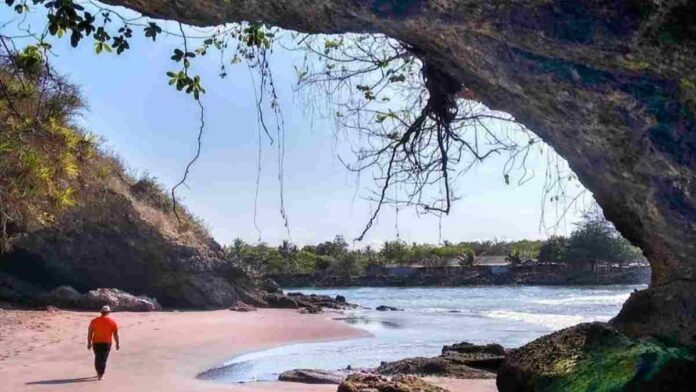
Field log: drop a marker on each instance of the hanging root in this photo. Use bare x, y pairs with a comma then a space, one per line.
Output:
422, 152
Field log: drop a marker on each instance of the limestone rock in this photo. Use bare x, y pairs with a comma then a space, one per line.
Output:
469, 348
597, 357
457, 366
242, 307
314, 376
312, 302
118, 300
311, 310
377, 383
666, 311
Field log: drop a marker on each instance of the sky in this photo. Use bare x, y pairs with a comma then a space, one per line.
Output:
153, 128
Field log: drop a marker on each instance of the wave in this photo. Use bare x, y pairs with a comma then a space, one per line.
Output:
615, 299
553, 321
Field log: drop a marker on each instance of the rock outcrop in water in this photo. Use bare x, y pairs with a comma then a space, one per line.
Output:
610, 85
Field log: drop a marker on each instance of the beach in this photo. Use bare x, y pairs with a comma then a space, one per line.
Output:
160, 351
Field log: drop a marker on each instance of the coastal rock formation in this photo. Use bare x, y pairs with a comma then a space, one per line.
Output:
313, 303
123, 234
546, 275
470, 348
597, 357
242, 307
118, 300
314, 376
655, 312
610, 85
66, 297
445, 366
462, 360
376, 383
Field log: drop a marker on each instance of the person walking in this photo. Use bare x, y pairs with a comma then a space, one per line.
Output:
99, 338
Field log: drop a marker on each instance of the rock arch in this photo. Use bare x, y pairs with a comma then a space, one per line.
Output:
611, 85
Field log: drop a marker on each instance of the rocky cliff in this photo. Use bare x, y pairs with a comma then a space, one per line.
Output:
123, 234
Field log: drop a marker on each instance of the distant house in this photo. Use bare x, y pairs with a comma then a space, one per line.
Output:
494, 264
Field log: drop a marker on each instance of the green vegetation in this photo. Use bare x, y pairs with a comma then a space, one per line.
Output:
48, 165
617, 363
594, 241
42, 150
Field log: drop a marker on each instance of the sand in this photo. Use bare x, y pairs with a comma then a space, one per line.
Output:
160, 351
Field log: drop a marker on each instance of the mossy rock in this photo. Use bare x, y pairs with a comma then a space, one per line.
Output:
596, 357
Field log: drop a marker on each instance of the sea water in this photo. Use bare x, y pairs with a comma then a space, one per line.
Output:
432, 318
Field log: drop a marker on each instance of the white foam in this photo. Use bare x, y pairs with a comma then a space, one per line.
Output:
615, 299
553, 321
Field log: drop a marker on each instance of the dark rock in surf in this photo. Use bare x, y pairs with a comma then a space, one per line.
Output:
384, 308
469, 348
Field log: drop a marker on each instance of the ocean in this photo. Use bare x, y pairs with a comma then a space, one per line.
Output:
432, 318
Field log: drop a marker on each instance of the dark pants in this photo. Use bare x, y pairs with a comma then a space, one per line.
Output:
101, 354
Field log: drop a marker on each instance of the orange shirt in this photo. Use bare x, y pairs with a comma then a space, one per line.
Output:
103, 328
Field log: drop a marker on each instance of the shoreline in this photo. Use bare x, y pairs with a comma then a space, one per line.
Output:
163, 351
41, 350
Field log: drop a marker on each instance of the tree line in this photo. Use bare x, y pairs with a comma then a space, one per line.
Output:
593, 242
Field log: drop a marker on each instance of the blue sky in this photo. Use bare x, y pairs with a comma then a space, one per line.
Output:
153, 128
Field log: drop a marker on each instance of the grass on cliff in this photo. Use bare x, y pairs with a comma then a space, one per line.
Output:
49, 166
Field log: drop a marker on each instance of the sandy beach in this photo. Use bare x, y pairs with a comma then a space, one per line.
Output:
160, 351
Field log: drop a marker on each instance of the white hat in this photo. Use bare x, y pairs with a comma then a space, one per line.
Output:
106, 309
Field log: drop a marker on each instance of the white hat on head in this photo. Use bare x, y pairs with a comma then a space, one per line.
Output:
106, 309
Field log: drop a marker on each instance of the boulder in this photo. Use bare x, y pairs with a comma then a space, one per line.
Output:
597, 357
314, 376
444, 366
384, 308
311, 310
665, 311
340, 299
281, 301
469, 348
377, 383
118, 301
268, 285
242, 307
64, 296
298, 300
